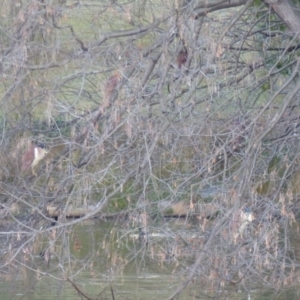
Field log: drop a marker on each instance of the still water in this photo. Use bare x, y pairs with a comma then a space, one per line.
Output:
96, 261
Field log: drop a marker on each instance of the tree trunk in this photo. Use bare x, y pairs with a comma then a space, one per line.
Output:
287, 12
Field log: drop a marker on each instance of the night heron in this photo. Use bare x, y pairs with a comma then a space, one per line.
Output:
32, 157
241, 219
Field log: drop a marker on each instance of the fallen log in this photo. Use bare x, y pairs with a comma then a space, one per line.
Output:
166, 209
70, 211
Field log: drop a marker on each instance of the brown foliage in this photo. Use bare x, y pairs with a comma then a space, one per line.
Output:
182, 58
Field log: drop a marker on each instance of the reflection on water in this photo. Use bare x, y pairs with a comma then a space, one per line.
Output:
103, 262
